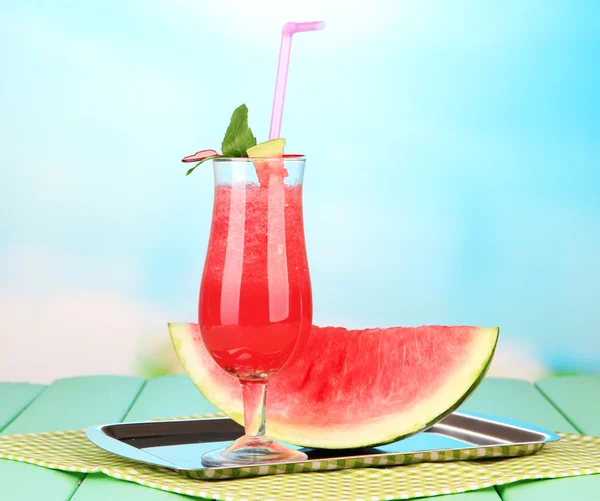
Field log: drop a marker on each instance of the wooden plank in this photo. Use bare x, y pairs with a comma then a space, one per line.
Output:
66, 404
577, 398
571, 489
99, 487
516, 399
166, 396
78, 402
169, 396
521, 400
14, 397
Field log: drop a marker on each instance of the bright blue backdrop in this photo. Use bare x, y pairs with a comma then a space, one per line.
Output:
453, 173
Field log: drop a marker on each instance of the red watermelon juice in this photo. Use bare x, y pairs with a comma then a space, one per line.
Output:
255, 297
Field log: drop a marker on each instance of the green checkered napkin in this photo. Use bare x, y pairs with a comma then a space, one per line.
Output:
573, 455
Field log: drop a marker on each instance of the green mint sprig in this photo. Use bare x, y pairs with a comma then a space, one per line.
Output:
238, 138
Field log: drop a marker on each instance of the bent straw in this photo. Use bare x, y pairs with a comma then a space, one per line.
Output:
282, 70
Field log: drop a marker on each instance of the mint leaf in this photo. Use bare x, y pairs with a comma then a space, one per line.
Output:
238, 137
201, 161
204, 160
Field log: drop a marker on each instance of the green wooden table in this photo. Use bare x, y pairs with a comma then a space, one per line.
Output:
561, 404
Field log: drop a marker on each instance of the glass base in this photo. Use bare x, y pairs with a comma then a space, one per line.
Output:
248, 451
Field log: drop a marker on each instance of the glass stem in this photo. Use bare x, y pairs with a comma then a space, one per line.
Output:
255, 399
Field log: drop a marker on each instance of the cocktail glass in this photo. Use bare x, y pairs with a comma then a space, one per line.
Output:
255, 298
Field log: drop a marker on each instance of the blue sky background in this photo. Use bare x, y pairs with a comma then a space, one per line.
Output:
453, 169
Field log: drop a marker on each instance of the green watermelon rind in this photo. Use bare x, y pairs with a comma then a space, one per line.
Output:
382, 430
458, 403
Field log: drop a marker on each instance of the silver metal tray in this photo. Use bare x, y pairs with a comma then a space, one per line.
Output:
179, 445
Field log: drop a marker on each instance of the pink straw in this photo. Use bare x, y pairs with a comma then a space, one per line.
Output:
282, 70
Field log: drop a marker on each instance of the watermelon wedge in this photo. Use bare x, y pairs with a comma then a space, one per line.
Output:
349, 388
266, 159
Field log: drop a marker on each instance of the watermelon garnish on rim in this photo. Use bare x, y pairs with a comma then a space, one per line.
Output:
266, 158
350, 388
200, 156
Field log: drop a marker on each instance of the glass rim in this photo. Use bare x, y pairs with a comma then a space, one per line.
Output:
285, 158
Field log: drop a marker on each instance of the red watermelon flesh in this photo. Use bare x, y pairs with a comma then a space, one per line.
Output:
350, 388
